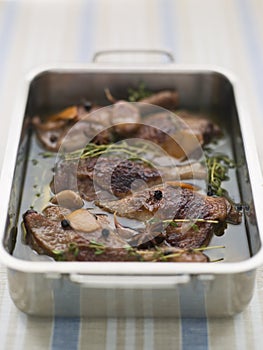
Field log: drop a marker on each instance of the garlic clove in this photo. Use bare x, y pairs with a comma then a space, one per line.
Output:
83, 220
68, 199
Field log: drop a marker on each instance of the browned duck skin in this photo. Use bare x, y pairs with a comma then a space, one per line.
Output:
58, 239
119, 177
181, 137
176, 200
184, 218
74, 127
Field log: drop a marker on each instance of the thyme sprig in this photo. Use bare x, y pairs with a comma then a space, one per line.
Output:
174, 222
92, 150
139, 93
160, 255
218, 166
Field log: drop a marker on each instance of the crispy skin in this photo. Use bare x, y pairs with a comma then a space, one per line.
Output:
177, 203
46, 235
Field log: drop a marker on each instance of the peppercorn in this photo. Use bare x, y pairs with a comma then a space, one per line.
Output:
87, 105
105, 233
246, 207
210, 191
239, 207
53, 138
65, 223
158, 195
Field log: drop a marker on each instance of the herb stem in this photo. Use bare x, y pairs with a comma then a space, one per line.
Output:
192, 220
209, 248
92, 150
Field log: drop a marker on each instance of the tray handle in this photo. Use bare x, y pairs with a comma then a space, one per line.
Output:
164, 53
127, 282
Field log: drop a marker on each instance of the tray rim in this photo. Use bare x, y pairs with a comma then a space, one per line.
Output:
129, 268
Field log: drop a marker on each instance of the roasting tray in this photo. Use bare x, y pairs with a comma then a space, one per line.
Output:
110, 289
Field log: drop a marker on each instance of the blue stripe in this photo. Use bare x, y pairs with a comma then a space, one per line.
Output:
253, 44
86, 37
66, 330
169, 26
194, 334
66, 333
194, 330
6, 33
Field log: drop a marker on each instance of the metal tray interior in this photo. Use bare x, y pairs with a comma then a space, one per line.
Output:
207, 92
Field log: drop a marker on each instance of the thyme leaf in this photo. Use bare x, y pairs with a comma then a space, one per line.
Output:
73, 248
99, 247
47, 154
218, 166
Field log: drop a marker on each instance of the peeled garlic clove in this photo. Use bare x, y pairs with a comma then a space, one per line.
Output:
68, 199
83, 220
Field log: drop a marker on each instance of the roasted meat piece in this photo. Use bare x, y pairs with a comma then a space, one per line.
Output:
179, 137
116, 176
97, 242
74, 127
167, 99
73, 131
187, 217
201, 126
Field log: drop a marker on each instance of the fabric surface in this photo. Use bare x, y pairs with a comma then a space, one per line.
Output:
227, 33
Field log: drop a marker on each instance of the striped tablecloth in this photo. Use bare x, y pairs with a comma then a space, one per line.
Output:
227, 33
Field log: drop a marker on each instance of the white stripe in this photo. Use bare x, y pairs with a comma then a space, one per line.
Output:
256, 318
133, 25
148, 324
111, 331
130, 322
20, 329
257, 10
148, 340
240, 332
130, 331
111, 334
6, 305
